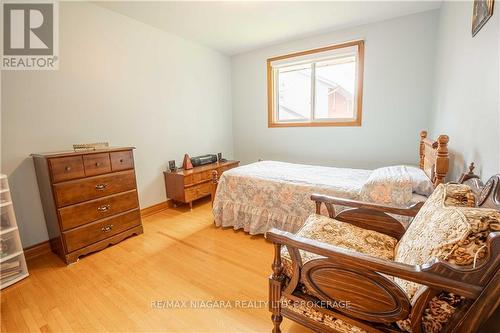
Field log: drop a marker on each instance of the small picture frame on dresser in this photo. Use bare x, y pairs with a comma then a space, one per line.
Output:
220, 158
171, 166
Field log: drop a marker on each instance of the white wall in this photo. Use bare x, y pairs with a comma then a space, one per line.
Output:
466, 103
122, 81
398, 77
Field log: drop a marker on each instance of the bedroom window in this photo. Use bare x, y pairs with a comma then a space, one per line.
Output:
320, 87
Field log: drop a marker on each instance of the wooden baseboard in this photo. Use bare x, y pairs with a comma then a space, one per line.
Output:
145, 212
37, 250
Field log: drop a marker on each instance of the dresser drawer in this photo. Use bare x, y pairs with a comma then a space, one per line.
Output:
85, 235
96, 164
122, 160
66, 168
198, 191
89, 211
76, 191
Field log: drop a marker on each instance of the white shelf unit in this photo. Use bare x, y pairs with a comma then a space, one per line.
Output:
12, 262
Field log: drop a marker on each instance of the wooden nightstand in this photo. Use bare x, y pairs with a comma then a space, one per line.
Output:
185, 186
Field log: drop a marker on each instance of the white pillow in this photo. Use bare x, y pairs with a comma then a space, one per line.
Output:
421, 184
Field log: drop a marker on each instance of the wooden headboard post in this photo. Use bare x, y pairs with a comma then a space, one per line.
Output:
434, 157
442, 159
423, 135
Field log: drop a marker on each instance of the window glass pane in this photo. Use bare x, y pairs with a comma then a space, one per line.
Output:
294, 93
335, 88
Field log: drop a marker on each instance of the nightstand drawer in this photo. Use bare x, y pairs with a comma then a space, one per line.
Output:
89, 211
202, 176
188, 180
198, 191
225, 168
77, 191
96, 164
206, 175
66, 168
101, 229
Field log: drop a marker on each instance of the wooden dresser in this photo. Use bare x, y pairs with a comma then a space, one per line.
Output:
188, 185
89, 199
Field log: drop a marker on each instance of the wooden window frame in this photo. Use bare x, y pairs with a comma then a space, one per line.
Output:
359, 87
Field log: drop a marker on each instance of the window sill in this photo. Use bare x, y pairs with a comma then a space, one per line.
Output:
355, 123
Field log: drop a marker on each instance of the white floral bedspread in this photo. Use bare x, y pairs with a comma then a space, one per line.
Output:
267, 194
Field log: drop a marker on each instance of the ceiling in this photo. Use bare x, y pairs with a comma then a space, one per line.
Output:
233, 27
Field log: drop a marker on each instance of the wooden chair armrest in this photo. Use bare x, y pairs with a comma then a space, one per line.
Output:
409, 211
438, 274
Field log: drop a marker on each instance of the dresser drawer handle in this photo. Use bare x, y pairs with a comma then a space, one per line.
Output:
103, 208
107, 228
121, 160
97, 164
100, 187
68, 168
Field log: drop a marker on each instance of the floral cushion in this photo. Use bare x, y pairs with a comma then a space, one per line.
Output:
449, 228
433, 227
327, 320
344, 235
458, 195
437, 314
446, 228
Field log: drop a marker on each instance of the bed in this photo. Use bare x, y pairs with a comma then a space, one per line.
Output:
272, 194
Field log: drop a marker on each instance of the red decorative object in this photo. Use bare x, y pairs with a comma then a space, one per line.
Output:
186, 164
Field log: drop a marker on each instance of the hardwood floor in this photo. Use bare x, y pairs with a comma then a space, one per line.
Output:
181, 256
